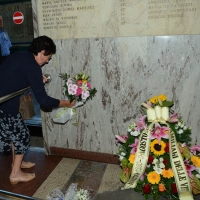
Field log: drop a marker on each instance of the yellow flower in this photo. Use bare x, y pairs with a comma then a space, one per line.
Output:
156, 148
196, 161
167, 173
154, 100
153, 178
132, 158
162, 97
84, 81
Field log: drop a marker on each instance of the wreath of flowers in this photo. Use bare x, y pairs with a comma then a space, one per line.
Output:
158, 179
78, 87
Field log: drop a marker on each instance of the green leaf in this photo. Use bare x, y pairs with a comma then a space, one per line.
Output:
167, 104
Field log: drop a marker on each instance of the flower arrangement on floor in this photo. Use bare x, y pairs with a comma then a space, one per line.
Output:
156, 156
76, 88
72, 193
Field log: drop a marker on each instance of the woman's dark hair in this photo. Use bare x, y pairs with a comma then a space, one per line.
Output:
42, 43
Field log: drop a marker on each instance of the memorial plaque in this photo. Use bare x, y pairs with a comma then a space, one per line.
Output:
62, 19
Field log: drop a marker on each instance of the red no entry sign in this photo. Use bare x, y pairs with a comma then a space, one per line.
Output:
18, 17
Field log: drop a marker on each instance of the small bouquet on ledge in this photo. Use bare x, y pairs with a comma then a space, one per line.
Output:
156, 156
76, 88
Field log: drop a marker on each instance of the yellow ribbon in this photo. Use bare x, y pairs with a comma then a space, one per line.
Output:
161, 115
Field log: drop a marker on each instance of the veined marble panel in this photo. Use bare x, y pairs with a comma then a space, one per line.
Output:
126, 71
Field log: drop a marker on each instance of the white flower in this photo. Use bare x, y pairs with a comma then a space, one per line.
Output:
123, 154
129, 130
184, 128
121, 158
157, 169
155, 161
83, 194
198, 176
135, 133
162, 165
198, 169
180, 131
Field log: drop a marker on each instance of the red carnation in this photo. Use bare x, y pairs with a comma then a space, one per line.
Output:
165, 161
167, 147
150, 159
174, 188
146, 188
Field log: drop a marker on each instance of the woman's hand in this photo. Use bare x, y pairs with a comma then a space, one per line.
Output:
44, 78
66, 103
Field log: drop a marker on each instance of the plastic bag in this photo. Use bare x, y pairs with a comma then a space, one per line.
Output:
64, 114
56, 194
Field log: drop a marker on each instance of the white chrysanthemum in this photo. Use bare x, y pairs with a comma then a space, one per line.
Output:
184, 128
129, 130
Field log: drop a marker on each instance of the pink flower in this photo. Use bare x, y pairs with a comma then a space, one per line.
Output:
79, 83
140, 125
189, 168
159, 132
85, 94
194, 149
173, 118
89, 85
121, 138
72, 89
134, 145
78, 91
149, 103
69, 81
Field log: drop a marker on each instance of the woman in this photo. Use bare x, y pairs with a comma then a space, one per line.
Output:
20, 70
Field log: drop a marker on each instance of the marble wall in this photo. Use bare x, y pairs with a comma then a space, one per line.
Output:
126, 71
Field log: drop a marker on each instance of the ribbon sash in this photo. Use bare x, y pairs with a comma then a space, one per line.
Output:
180, 173
141, 158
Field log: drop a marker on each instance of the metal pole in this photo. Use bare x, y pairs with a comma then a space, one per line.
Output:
11, 95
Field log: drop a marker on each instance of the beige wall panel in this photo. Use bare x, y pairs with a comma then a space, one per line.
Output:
112, 18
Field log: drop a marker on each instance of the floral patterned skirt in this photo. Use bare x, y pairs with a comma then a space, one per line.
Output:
13, 130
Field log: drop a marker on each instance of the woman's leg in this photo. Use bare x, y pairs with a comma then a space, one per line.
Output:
23, 163
16, 174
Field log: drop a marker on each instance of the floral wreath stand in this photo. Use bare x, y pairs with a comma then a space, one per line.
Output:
156, 156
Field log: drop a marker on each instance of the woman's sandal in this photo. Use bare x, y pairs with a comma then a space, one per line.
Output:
26, 178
